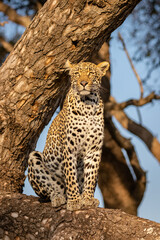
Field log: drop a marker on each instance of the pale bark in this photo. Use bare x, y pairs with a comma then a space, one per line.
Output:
33, 79
23, 217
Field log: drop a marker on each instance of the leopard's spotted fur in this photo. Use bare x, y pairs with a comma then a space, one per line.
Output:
67, 170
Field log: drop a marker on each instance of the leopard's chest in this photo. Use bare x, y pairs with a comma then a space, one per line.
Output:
84, 133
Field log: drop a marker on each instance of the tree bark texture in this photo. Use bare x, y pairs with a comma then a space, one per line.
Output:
32, 79
23, 217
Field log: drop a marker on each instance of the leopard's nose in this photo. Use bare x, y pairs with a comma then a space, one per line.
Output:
83, 83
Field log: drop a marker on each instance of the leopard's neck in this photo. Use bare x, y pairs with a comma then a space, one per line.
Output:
77, 104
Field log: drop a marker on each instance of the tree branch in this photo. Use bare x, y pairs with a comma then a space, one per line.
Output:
13, 16
144, 134
18, 221
33, 77
7, 46
113, 105
3, 23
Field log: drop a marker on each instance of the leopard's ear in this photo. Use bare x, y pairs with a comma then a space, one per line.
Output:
103, 66
68, 65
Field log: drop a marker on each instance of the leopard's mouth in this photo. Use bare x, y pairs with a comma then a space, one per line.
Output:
84, 92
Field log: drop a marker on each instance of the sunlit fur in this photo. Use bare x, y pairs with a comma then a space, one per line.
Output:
67, 170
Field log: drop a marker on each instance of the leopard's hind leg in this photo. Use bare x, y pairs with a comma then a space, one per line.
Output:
45, 183
80, 175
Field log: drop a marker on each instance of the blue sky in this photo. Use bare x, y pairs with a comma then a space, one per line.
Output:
124, 86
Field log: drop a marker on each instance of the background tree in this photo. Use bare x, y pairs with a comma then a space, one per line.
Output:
45, 96
146, 38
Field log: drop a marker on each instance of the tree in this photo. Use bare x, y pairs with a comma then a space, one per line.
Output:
32, 86
23, 217
147, 42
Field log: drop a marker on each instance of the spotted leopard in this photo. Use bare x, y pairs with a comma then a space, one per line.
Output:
67, 170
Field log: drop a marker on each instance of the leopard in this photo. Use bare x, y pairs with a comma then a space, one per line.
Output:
66, 173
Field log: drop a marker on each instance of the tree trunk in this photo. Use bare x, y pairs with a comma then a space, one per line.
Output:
33, 79
23, 217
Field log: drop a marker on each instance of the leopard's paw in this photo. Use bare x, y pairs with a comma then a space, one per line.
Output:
73, 205
57, 201
89, 202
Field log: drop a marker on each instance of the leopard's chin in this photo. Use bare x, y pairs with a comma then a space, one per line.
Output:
84, 92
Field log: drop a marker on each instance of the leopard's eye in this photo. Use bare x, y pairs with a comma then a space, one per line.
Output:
91, 73
76, 74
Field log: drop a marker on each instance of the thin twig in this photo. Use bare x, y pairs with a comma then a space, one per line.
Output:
131, 63
139, 115
3, 23
14, 16
7, 46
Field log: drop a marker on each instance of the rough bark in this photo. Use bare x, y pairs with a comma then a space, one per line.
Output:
32, 77
23, 217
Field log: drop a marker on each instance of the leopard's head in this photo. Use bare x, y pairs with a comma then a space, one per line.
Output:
86, 77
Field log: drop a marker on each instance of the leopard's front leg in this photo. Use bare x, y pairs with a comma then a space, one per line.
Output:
70, 174
91, 167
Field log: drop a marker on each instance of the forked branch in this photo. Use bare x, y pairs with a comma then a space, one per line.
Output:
144, 134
